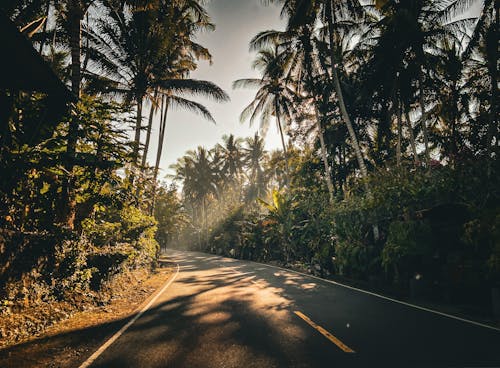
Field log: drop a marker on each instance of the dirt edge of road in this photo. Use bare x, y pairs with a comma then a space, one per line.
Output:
88, 328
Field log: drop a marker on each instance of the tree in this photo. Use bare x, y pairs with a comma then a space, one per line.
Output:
255, 154
231, 157
274, 97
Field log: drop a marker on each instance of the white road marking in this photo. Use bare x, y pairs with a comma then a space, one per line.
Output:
113, 338
376, 295
386, 298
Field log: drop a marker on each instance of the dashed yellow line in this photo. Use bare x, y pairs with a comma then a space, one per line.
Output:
325, 333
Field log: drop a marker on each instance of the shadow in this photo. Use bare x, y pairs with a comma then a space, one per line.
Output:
223, 312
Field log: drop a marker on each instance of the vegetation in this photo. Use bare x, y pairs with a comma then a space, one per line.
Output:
390, 174
80, 203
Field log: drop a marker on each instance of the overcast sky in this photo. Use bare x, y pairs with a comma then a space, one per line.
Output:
237, 21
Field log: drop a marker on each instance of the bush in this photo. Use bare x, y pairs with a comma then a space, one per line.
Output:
407, 243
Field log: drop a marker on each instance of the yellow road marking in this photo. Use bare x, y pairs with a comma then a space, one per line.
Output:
325, 333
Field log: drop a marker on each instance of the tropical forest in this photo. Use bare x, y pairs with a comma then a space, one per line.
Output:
385, 176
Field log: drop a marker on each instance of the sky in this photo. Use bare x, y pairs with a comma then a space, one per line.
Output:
237, 22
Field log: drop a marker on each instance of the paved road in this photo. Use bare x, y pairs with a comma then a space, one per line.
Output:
221, 312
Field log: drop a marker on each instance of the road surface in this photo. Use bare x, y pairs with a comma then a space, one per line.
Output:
222, 312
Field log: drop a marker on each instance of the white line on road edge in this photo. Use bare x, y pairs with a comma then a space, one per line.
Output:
385, 297
359, 290
113, 338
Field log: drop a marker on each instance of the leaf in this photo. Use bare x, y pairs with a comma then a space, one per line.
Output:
45, 188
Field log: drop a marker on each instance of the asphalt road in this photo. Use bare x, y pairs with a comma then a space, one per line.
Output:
222, 312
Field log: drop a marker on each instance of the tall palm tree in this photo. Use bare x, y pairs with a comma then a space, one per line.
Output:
141, 57
255, 155
173, 91
303, 16
401, 63
231, 156
297, 46
199, 176
274, 97
329, 14
484, 42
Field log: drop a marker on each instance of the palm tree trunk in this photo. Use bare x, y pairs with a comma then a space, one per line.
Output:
68, 198
343, 109
423, 121
148, 135
75, 44
204, 227
412, 137
340, 97
400, 136
324, 156
161, 137
309, 72
285, 151
138, 127
159, 150
47, 12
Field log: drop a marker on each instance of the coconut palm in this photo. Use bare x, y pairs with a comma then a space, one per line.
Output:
483, 52
138, 62
274, 97
255, 155
400, 64
297, 46
230, 155
303, 17
200, 177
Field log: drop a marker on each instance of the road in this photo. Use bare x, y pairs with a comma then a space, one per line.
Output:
222, 312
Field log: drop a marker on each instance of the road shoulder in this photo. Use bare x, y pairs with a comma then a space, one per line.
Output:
72, 340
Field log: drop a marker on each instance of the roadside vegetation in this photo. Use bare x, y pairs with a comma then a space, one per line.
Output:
388, 172
77, 194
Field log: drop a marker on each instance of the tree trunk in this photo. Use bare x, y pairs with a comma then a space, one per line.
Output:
148, 135
138, 127
161, 137
285, 151
423, 121
412, 137
309, 63
75, 14
400, 137
343, 109
159, 150
324, 156
340, 96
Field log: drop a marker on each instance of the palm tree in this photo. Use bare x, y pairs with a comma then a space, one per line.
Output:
199, 177
303, 17
330, 12
484, 41
255, 154
274, 96
401, 63
297, 48
172, 91
142, 63
127, 52
230, 154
